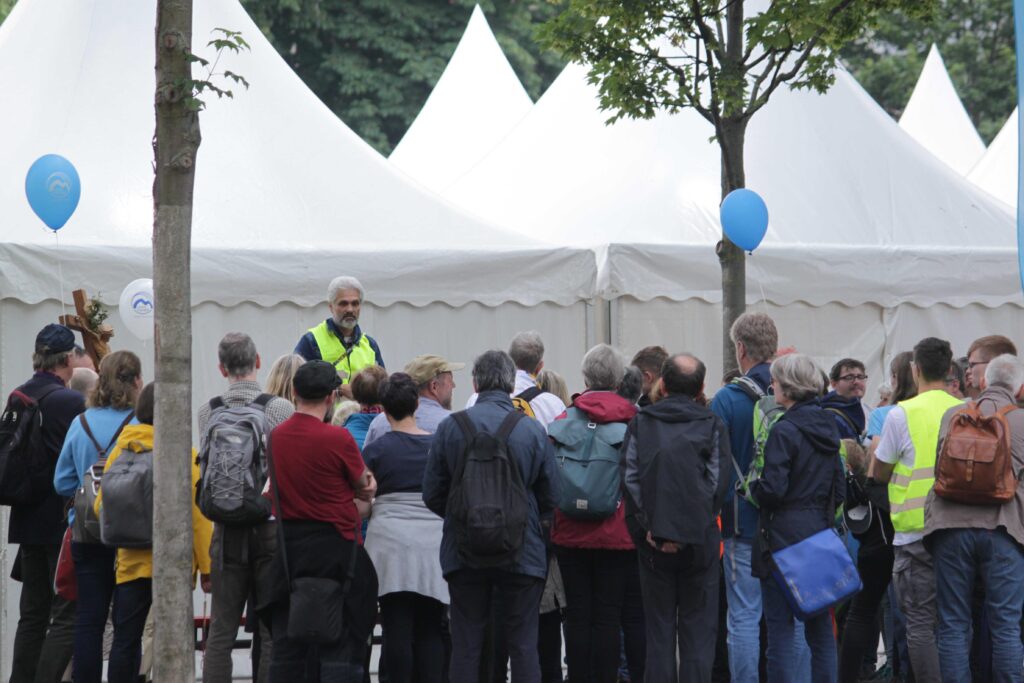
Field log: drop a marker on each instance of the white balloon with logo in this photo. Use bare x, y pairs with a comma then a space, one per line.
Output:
136, 308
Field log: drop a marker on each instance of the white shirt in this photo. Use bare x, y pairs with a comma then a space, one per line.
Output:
546, 406
895, 446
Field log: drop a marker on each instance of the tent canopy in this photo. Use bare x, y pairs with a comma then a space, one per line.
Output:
857, 207
997, 171
474, 104
286, 195
936, 118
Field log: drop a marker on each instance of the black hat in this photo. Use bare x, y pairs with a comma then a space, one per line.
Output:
54, 338
858, 518
315, 379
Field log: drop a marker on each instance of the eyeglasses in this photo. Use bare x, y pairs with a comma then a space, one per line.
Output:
971, 364
853, 378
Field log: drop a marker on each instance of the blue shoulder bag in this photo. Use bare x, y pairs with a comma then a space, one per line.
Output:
816, 573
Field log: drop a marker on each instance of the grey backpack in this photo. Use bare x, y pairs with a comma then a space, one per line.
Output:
232, 463
126, 513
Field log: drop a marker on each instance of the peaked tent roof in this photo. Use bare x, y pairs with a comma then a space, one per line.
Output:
286, 195
477, 100
935, 116
997, 171
859, 212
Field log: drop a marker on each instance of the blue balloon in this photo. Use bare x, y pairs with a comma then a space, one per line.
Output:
53, 189
744, 218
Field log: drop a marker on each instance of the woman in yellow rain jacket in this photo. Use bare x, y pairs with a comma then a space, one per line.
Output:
134, 591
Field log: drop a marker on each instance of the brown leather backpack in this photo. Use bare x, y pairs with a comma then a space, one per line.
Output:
975, 463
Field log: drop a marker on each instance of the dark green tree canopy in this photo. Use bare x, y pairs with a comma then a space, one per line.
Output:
975, 38
374, 62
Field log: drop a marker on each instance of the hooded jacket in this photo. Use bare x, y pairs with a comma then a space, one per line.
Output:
602, 407
677, 465
137, 563
739, 518
802, 471
848, 413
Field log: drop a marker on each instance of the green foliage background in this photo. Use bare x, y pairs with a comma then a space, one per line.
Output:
373, 62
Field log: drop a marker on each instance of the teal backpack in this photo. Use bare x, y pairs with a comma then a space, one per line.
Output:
587, 454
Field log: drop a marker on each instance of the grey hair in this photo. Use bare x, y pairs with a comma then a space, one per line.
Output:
1005, 371
798, 376
344, 282
527, 350
631, 387
494, 371
758, 334
237, 353
603, 368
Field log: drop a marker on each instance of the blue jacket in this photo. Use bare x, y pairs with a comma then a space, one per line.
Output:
308, 349
802, 470
79, 453
357, 425
848, 414
737, 412
529, 445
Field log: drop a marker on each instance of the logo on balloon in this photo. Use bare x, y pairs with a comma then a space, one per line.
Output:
142, 304
59, 186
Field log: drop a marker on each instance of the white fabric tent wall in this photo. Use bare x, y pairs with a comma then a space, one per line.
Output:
997, 171
477, 100
935, 116
286, 198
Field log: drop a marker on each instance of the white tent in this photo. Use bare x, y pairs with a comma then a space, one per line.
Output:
997, 171
286, 198
477, 100
865, 224
935, 116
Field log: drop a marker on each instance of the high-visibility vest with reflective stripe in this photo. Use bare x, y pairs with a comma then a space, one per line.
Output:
908, 488
360, 355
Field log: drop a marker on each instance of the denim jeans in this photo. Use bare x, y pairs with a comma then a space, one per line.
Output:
782, 634
94, 571
44, 639
960, 555
743, 594
297, 662
131, 607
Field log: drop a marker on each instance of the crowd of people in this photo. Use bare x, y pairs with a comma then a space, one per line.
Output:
629, 532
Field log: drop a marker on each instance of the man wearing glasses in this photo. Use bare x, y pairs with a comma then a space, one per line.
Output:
981, 351
849, 382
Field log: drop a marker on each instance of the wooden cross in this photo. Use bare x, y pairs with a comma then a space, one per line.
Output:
97, 343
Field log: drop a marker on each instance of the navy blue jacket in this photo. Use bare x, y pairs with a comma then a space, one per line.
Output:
737, 412
848, 414
802, 468
43, 523
308, 349
532, 450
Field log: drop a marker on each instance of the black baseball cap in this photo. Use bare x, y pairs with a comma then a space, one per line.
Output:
315, 379
54, 338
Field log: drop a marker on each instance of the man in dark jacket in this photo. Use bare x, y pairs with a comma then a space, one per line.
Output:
44, 639
845, 402
676, 475
521, 581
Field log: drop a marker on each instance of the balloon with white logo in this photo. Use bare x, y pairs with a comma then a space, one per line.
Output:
136, 308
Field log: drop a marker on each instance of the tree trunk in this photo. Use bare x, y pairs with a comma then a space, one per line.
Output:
175, 145
731, 131
731, 257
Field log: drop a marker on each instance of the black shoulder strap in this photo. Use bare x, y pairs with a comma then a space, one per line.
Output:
530, 393
277, 507
845, 417
507, 425
263, 400
92, 437
216, 402
465, 424
113, 439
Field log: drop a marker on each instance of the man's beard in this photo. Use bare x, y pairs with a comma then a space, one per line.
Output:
447, 403
347, 323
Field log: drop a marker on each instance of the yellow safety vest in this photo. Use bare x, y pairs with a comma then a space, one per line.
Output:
908, 488
350, 361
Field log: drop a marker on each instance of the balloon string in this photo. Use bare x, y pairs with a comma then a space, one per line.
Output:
760, 285
60, 274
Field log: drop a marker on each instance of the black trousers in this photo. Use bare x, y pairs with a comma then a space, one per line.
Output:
412, 644
681, 608
860, 635
44, 640
471, 591
603, 610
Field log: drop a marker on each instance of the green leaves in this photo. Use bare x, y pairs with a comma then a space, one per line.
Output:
228, 40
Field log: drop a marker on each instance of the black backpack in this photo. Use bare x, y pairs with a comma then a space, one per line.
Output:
26, 470
487, 504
